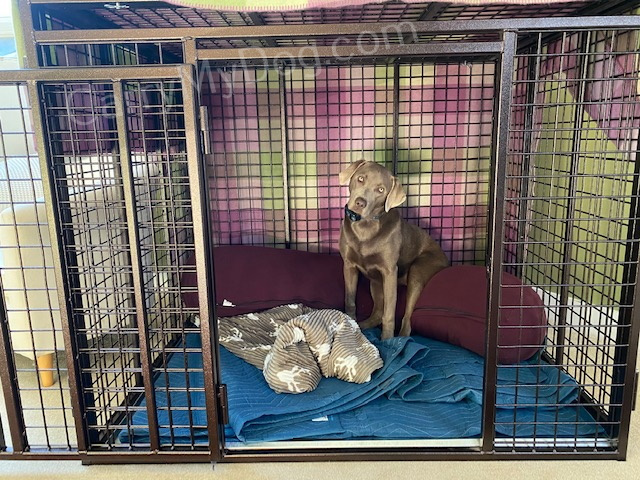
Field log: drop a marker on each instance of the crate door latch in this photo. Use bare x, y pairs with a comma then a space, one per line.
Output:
224, 403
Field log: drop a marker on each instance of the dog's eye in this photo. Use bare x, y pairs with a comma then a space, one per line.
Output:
381, 189
361, 179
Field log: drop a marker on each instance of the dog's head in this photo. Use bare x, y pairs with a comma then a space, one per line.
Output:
372, 188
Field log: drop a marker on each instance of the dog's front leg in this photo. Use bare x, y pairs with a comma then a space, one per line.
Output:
390, 291
350, 287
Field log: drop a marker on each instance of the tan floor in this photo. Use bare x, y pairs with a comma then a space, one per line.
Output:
547, 470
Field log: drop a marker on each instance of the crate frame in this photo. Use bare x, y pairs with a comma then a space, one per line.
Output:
504, 51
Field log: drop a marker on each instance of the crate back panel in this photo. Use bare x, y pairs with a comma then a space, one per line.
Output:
430, 123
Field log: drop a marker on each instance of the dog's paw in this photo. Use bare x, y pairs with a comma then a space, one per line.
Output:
405, 332
385, 335
405, 327
370, 322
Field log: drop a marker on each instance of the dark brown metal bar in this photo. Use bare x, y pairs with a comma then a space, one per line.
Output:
346, 53
3, 443
38, 454
387, 454
141, 72
203, 255
319, 30
9, 382
136, 263
30, 59
496, 231
433, 11
190, 51
431, 454
396, 114
284, 145
60, 268
110, 458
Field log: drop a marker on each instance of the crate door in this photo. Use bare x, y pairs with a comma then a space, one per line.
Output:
125, 186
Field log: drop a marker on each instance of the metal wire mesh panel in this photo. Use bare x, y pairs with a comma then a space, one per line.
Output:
382, 12
31, 318
162, 15
335, 115
83, 146
520, 137
477, 12
48, 17
156, 126
443, 154
246, 183
116, 363
570, 229
105, 54
434, 118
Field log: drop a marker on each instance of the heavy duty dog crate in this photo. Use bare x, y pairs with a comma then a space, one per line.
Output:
143, 135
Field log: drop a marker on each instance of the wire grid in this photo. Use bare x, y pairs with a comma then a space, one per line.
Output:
245, 165
82, 135
483, 12
370, 13
444, 141
83, 132
49, 17
338, 114
173, 16
26, 277
109, 54
156, 126
573, 148
518, 164
52, 17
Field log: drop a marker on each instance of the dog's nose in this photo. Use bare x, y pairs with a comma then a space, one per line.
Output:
361, 202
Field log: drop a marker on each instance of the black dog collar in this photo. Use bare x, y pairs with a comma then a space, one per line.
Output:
351, 215
354, 217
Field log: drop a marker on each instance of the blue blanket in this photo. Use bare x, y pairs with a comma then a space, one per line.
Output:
426, 389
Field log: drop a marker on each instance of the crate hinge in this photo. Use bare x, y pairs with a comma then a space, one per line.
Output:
205, 130
224, 403
635, 391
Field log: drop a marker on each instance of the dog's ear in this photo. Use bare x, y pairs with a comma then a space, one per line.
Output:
396, 195
347, 173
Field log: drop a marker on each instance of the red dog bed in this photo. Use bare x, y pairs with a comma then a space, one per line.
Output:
452, 307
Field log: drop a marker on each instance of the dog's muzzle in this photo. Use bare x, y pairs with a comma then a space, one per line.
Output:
351, 215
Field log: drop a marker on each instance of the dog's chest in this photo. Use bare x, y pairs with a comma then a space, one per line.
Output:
370, 259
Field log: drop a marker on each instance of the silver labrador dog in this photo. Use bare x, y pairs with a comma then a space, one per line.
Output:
387, 250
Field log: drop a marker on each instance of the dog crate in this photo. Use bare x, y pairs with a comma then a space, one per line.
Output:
144, 137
